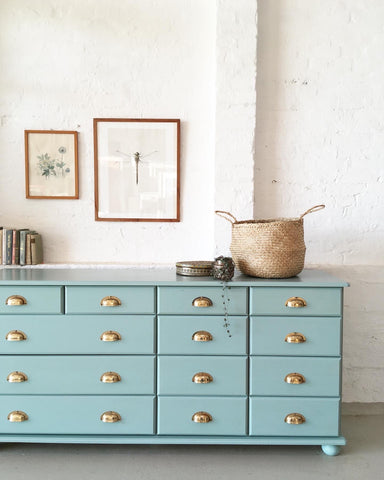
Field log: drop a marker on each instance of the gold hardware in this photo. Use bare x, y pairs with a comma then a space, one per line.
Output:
202, 336
296, 302
110, 417
17, 377
110, 336
15, 336
201, 417
17, 416
15, 300
295, 337
110, 377
202, 302
202, 377
110, 301
294, 419
294, 378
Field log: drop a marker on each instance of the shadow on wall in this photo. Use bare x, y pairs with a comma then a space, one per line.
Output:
268, 71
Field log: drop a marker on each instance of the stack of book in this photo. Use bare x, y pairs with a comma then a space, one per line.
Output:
20, 247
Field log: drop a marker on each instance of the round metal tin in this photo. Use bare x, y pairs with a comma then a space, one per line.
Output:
194, 268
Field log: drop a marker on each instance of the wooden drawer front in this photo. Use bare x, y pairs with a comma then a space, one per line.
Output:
72, 375
321, 376
47, 334
228, 415
228, 375
322, 336
320, 301
32, 299
87, 300
175, 335
77, 414
267, 416
179, 300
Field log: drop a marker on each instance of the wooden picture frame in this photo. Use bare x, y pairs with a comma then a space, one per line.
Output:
137, 169
51, 164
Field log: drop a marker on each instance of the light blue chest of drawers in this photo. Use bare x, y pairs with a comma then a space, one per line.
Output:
142, 356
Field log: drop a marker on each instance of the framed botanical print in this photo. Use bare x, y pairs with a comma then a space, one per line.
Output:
137, 169
51, 165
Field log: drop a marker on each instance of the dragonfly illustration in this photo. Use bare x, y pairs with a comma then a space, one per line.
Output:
137, 158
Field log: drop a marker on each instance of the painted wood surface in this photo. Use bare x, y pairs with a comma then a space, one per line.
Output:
84, 299
42, 300
229, 415
176, 439
175, 335
267, 414
80, 334
174, 300
78, 414
156, 316
78, 374
272, 301
229, 375
321, 376
152, 276
322, 336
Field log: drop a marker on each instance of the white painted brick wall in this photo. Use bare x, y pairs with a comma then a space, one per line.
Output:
320, 139
236, 41
64, 62
320, 124
319, 135
363, 364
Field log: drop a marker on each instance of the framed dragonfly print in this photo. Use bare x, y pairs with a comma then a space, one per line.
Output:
51, 167
137, 169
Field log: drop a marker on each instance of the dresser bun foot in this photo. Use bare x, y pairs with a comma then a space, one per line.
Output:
331, 450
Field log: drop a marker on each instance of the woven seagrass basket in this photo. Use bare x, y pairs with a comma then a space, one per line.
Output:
268, 248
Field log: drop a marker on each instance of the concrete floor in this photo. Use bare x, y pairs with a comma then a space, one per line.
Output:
361, 459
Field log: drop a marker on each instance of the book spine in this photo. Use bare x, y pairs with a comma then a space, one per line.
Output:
4, 252
36, 249
28, 258
15, 247
23, 237
8, 247
1, 245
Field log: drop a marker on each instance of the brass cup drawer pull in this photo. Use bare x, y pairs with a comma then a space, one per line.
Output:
202, 377
17, 416
17, 377
295, 337
201, 417
295, 302
110, 417
294, 378
294, 419
110, 301
15, 300
110, 377
202, 302
202, 336
15, 336
110, 336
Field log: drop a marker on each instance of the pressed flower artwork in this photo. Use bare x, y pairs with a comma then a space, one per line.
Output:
51, 168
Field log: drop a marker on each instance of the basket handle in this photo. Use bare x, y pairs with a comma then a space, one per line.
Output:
311, 210
219, 212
